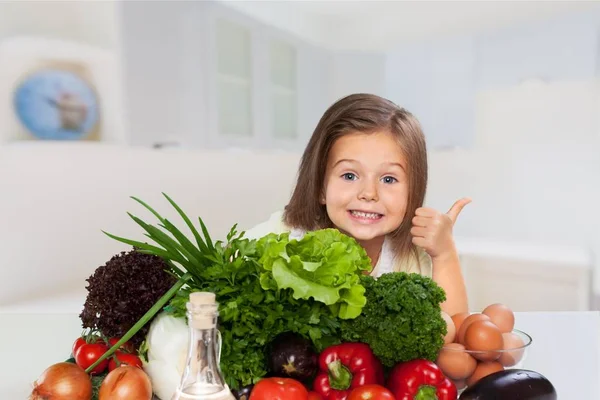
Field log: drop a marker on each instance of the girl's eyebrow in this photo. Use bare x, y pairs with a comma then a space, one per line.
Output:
349, 160
395, 164
344, 160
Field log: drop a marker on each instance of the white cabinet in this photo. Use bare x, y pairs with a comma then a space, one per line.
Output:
526, 277
264, 87
201, 74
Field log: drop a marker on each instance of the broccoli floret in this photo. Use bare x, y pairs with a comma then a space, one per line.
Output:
402, 319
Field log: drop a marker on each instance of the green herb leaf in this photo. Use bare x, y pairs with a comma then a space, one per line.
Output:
201, 245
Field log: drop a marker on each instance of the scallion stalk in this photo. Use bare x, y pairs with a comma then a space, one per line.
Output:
144, 320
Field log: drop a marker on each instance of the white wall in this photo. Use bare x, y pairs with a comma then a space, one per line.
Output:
533, 171
91, 22
355, 72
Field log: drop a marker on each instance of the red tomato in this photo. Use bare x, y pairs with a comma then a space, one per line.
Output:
124, 359
127, 346
77, 344
88, 354
371, 392
314, 396
279, 389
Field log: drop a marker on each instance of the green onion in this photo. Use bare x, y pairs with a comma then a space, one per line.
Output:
171, 249
142, 321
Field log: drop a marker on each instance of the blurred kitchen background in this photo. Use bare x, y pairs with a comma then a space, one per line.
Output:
213, 103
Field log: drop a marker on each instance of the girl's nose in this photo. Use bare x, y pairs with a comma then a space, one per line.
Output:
368, 192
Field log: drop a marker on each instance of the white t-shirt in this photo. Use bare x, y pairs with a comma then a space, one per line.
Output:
386, 263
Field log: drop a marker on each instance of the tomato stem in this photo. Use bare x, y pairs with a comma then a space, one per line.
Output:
142, 321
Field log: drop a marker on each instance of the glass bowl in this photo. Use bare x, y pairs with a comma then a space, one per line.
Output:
466, 367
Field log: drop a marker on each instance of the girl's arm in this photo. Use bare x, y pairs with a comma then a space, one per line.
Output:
432, 231
448, 274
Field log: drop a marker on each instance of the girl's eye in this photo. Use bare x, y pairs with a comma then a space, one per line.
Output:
349, 176
389, 179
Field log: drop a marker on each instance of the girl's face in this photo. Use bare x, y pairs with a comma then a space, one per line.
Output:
366, 185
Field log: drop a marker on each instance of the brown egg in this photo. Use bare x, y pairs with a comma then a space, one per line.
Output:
484, 369
449, 338
511, 341
468, 321
501, 315
458, 321
455, 363
485, 338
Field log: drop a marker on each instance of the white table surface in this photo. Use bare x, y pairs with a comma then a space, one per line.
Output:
565, 349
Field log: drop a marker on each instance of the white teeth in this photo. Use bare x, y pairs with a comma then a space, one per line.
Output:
365, 215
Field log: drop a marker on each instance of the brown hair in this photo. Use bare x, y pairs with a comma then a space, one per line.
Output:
364, 113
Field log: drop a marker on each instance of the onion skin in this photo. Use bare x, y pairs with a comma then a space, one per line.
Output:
62, 381
126, 383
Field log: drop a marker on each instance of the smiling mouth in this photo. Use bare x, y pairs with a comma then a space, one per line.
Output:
365, 215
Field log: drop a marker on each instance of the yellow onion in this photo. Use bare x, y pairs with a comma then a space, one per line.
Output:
126, 383
62, 381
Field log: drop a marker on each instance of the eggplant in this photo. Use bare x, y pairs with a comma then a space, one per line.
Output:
292, 356
511, 384
243, 393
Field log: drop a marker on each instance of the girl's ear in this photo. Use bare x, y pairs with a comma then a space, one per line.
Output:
322, 198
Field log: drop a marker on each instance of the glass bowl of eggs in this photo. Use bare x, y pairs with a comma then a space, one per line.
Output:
479, 344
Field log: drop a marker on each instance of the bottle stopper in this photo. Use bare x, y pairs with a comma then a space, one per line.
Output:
203, 306
202, 298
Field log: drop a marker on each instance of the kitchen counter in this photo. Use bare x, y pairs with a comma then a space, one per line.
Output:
565, 349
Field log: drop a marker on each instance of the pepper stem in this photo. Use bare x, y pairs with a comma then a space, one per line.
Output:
426, 392
340, 377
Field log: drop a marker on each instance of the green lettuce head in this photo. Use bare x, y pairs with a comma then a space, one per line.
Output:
325, 265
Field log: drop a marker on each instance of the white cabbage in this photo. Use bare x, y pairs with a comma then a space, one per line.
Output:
167, 343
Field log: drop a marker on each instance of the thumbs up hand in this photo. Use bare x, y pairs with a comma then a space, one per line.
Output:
432, 230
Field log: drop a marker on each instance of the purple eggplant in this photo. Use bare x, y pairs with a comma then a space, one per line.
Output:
511, 384
292, 356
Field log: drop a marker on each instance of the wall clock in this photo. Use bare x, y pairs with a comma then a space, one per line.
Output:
55, 103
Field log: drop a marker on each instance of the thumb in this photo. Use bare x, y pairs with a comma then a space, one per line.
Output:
457, 208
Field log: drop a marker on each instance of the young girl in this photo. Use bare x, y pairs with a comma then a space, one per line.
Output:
364, 172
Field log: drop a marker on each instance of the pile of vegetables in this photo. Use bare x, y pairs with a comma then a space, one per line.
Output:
299, 319
264, 289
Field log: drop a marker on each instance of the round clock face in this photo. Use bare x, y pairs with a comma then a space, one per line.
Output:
56, 105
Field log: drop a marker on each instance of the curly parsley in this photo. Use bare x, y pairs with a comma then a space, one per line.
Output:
402, 320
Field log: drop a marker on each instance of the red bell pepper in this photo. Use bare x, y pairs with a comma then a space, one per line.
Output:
420, 380
344, 367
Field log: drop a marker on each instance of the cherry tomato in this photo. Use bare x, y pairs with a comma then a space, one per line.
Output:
279, 389
371, 392
88, 354
127, 346
77, 344
124, 359
314, 396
